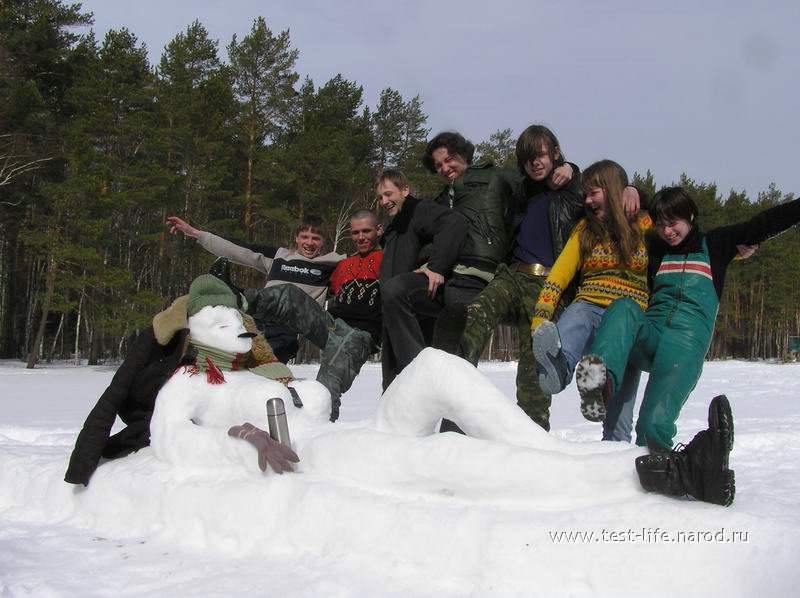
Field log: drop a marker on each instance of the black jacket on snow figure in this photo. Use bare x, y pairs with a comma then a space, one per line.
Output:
132, 393
417, 224
481, 196
154, 355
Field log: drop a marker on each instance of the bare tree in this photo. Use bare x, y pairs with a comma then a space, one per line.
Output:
12, 163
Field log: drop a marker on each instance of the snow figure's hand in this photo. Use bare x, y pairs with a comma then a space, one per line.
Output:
279, 457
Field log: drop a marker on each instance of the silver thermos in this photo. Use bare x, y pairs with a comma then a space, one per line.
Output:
276, 419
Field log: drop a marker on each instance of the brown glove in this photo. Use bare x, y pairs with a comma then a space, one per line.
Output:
279, 457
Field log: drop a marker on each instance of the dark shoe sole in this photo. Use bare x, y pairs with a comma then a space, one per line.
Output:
546, 347
720, 423
726, 491
591, 377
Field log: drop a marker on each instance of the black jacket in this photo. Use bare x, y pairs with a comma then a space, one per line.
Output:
131, 395
419, 223
480, 196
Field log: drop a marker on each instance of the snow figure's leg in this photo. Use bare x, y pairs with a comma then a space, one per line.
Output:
619, 419
673, 375
439, 385
287, 305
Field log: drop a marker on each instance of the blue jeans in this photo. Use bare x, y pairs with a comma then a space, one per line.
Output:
576, 327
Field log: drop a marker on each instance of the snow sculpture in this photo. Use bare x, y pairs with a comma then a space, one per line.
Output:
195, 408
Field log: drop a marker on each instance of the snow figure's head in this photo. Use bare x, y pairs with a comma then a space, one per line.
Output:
214, 319
220, 327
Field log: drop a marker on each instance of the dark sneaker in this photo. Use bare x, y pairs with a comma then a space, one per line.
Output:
594, 385
551, 365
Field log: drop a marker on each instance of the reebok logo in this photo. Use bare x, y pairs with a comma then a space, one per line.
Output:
299, 270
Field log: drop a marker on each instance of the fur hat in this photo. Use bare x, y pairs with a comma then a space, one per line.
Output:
208, 290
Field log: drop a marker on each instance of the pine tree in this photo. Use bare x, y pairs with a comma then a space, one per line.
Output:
262, 68
499, 150
197, 112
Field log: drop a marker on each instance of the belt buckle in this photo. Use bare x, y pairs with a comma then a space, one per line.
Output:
538, 270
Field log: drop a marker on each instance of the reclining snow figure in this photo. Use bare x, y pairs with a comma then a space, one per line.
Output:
397, 449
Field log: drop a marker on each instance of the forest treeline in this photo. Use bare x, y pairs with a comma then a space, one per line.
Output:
98, 146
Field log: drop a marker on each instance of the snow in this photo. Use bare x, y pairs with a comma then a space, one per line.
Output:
382, 507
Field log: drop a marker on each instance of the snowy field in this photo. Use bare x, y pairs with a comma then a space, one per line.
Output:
374, 516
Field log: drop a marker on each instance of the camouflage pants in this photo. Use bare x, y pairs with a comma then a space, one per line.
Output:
343, 349
509, 299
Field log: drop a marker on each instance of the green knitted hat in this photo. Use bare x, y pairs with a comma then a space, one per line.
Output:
207, 289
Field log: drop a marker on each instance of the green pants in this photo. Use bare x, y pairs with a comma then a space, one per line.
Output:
672, 351
510, 298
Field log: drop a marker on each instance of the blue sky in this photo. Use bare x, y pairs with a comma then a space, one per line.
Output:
708, 88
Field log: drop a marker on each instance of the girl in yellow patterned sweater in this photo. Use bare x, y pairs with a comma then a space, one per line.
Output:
607, 253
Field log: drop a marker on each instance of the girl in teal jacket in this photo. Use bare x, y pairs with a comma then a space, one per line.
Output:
670, 339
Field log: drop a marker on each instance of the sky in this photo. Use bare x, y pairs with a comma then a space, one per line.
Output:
707, 88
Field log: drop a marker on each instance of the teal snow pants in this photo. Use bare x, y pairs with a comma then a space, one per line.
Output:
669, 340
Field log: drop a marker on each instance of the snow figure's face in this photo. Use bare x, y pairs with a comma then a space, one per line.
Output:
220, 327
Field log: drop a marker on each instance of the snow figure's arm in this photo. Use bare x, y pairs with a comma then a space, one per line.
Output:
564, 270
176, 439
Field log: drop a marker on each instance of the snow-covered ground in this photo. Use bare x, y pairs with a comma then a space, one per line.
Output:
372, 514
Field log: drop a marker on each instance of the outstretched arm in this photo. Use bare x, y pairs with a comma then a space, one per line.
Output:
177, 224
764, 225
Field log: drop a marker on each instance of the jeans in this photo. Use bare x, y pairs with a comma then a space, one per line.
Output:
577, 327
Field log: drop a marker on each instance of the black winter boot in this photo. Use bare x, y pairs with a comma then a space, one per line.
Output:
698, 469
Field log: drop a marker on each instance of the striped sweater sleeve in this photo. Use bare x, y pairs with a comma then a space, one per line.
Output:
564, 270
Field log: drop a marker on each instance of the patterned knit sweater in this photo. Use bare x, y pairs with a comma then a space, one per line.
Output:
603, 277
356, 292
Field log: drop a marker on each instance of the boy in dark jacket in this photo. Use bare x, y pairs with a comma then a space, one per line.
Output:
408, 289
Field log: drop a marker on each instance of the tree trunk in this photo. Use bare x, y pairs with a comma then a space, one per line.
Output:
50, 283
78, 331
248, 189
55, 339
